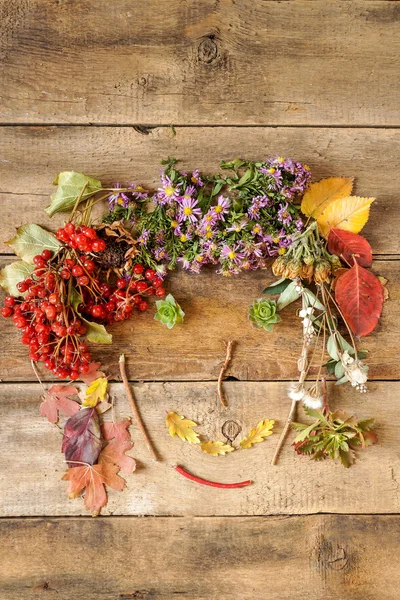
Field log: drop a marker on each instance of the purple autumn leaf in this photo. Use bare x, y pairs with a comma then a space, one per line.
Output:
82, 440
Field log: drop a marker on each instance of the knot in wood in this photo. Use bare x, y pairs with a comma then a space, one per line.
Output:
331, 557
230, 429
208, 50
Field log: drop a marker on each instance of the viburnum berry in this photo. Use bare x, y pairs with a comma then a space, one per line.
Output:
160, 292
65, 274
98, 245
9, 301
7, 311
46, 254
157, 282
98, 311
138, 269
83, 280
22, 286
121, 283
150, 274
141, 286
143, 305
89, 265
77, 271
69, 228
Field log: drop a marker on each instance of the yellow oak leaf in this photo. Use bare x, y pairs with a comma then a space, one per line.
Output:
178, 425
96, 392
349, 213
320, 194
216, 448
258, 433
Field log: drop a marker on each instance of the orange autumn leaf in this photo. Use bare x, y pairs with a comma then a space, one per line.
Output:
58, 399
320, 194
118, 430
350, 214
93, 478
114, 453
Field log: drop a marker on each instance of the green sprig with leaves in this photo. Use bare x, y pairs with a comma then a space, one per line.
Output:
336, 435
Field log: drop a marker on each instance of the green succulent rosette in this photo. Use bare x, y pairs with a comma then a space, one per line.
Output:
169, 312
263, 314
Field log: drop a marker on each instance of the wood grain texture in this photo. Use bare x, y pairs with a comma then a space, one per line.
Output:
200, 62
278, 558
32, 466
215, 311
32, 156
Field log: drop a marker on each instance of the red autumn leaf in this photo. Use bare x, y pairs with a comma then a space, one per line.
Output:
57, 398
118, 430
349, 246
114, 453
359, 295
92, 374
93, 478
82, 440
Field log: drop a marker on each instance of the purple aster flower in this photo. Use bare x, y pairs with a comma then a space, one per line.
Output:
188, 193
196, 179
299, 224
168, 192
210, 218
189, 211
143, 239
257, 229
160, 253
118, 198
284, 215
185, 262
238, 225
233, 254
221, 208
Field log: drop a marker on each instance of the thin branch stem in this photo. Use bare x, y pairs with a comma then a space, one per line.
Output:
37, 376
135, 410
284, 432
229, 347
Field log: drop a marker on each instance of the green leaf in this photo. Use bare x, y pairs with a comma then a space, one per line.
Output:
96, 333
339, 370
32, 240
332, 348
305, 433
13, 274
312, 300
70, 185
341, 381
278, 287
288, 296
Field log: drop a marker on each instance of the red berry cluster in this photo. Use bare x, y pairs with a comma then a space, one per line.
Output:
50, 329
117, 303
81, 238
51, 326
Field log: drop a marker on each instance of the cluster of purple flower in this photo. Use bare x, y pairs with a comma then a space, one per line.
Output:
193, 224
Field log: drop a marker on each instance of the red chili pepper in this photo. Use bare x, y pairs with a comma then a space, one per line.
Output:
182, 471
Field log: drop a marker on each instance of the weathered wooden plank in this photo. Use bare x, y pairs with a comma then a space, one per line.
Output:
200, 62
32, 156
311, 557
216, 310
31, 465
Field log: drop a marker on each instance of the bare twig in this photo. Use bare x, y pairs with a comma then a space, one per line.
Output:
229, 347
284, 433
135, 410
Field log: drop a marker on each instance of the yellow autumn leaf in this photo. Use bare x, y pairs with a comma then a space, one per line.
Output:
216, 448
178, 425
349, 213
320, 194
96, 392
258, 433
